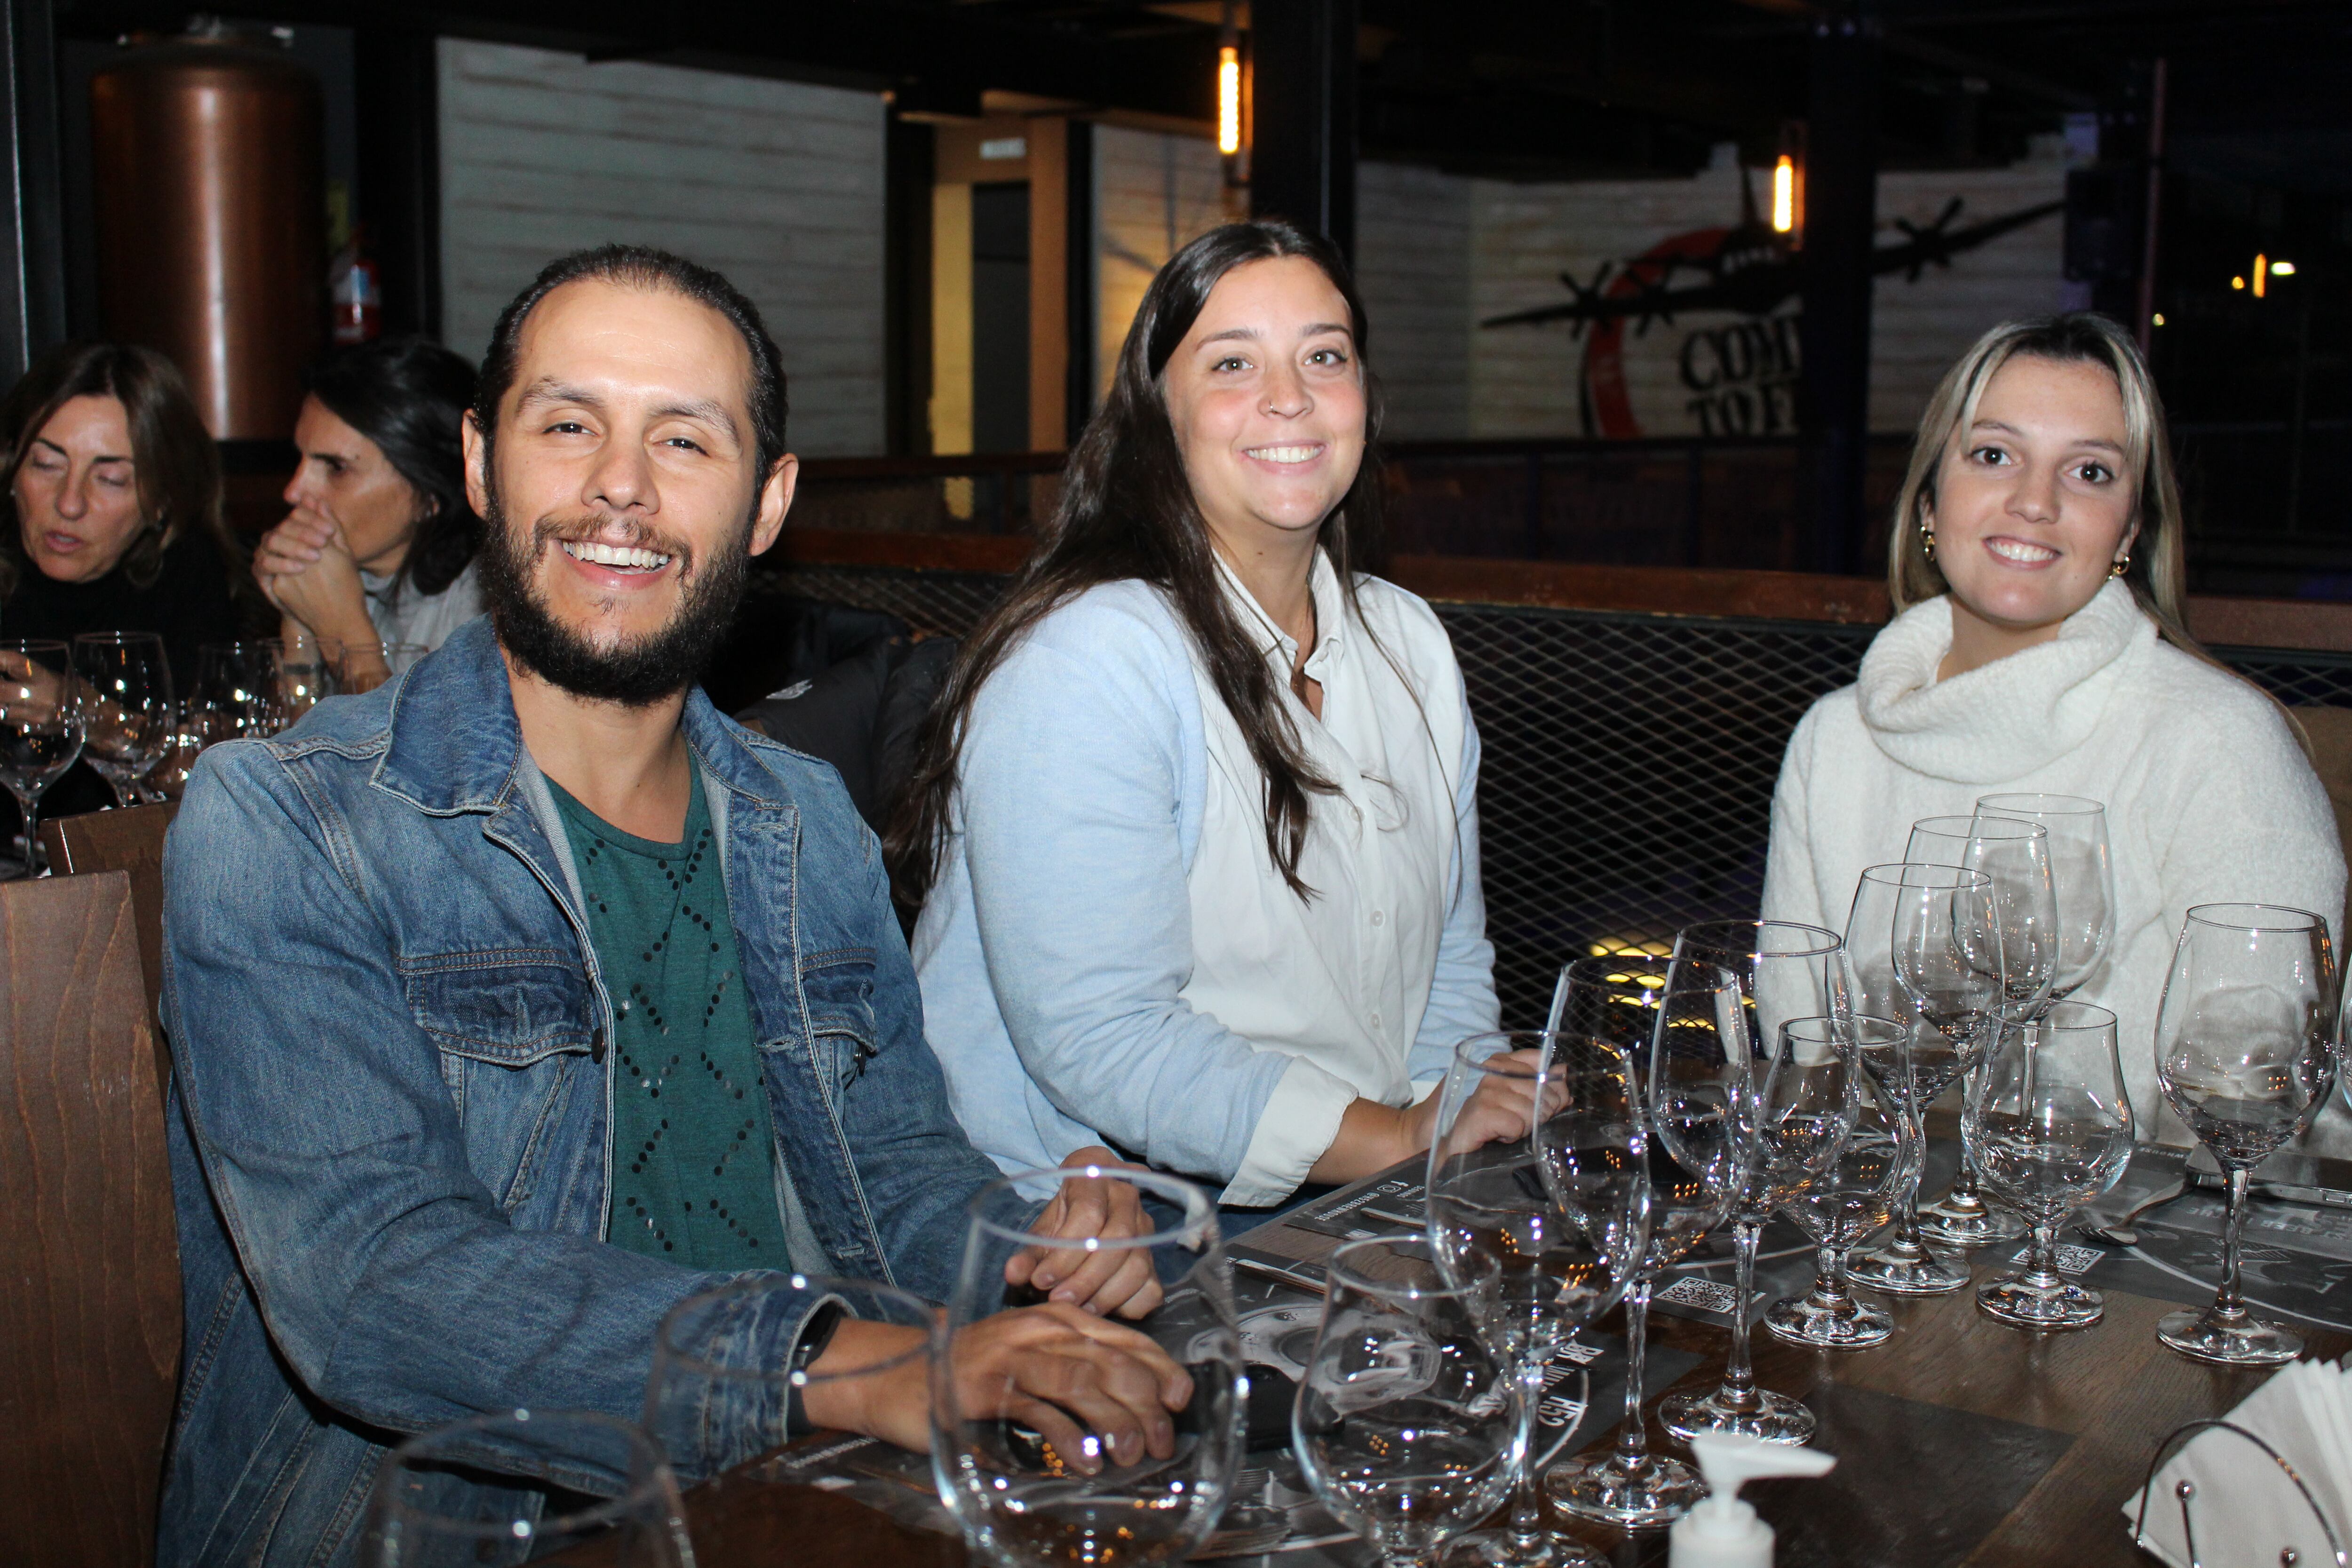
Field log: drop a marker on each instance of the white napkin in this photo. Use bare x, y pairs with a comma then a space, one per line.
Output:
2245, 1509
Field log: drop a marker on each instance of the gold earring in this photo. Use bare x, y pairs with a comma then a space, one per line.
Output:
2121, 567
1928, 538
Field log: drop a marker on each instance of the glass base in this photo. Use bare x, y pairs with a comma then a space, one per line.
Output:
1507, 1548
1649, 1494
1964, 1220
2231, 1337
1812, 1322
1776, 1418
2013, 1300
1900, 1270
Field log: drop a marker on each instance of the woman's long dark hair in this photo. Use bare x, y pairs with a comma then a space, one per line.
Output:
1127, 511
173, 461
410, 396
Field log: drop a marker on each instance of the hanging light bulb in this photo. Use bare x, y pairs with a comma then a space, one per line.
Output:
1784, 195
2261, 276
1229, 99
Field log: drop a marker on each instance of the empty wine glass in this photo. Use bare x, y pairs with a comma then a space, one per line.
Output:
1785, 971
2082, 877
714, 1400
2051, 1125
2245, 1053
1408, 1424
2015, 852
1020, 1501
1874, 1171
126, 710
239, 690
306, 672
40, 731
1560, 1212
1920, 946
1628, 1001
579, 1479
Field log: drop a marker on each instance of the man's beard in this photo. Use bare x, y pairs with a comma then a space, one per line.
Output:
637, 671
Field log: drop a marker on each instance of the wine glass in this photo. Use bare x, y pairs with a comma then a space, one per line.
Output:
1020, 1501
1876, 1169
40, 731
2051, 1125
1560, 1212
2245, 1052
1785, 971
1631, 1002
127, 709
239, 692
2082, 877
1408, 1422
2015, 852
580, 1479
306, 671
1921, 947
714, 1400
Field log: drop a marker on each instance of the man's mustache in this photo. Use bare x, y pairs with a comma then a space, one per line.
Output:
625, 533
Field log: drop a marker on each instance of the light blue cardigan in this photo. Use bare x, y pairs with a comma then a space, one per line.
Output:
1052, 996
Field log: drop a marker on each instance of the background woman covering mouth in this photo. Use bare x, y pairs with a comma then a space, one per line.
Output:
1194, 828
2037, 562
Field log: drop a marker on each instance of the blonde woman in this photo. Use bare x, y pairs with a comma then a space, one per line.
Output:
2036, 569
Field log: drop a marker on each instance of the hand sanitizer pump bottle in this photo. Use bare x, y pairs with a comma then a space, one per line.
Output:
1723, 1531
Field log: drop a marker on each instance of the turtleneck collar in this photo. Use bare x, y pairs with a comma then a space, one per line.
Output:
2010, 717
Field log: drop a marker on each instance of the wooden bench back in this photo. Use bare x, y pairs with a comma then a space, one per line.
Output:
90, 1293
130, 840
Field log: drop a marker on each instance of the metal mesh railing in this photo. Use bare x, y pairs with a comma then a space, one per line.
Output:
1629, 760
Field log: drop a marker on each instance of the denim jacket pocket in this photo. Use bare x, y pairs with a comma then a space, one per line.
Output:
506, 1008
839, 986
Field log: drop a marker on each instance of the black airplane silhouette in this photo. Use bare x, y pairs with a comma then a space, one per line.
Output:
1753, 268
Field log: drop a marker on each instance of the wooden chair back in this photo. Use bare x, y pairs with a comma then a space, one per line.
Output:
90, 1293
132, 840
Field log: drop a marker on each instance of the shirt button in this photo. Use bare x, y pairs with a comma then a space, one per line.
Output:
1376, 1020
1379, 918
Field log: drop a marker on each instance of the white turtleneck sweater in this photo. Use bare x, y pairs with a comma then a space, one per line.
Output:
2208, 798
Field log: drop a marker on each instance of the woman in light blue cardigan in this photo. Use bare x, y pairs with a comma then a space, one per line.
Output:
1194, 830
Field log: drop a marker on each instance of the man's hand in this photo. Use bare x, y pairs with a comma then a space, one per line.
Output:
1114, 1279
1053, 1368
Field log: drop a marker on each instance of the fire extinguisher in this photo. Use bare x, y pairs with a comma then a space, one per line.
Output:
354, 292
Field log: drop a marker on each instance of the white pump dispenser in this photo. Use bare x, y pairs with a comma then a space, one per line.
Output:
1723, 1531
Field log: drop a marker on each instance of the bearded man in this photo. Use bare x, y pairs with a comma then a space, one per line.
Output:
435, 954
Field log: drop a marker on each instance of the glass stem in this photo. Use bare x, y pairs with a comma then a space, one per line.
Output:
1964, 1184
1907, 1217
2229, 1300
1634, 1438
2041, 1261
1526, 1527
1739, 1390
1830, 1288
31, 806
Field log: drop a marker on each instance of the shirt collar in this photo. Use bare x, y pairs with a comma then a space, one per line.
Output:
1273, 642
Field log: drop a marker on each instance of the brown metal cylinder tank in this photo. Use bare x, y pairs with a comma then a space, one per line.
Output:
211, 209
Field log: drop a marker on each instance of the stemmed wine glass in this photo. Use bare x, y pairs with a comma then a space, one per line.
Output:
126, 707
40, 729
1022, 1502
2245, 1052
1408, 1424
2051, 1125
2082, 879
2015, 852
1630, 1002
1560, 1211
239, 692
1782, 1141
581, 1479
1875, 1170
1922, 948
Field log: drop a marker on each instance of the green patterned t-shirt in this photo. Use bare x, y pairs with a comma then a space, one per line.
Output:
693, 1154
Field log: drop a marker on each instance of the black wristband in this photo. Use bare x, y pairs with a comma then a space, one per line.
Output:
815, 1337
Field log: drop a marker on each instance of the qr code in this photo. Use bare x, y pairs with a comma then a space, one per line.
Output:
1705, 1295
2070, 1260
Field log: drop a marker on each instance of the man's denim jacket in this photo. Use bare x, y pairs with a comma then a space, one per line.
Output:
392, 1145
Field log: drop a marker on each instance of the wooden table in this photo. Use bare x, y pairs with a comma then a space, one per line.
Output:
2101, 1398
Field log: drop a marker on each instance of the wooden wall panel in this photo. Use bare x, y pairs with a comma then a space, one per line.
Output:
91, 1292
778, 184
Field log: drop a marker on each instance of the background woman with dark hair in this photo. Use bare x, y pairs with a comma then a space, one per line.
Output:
1194, 825
116, 488
380, 545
